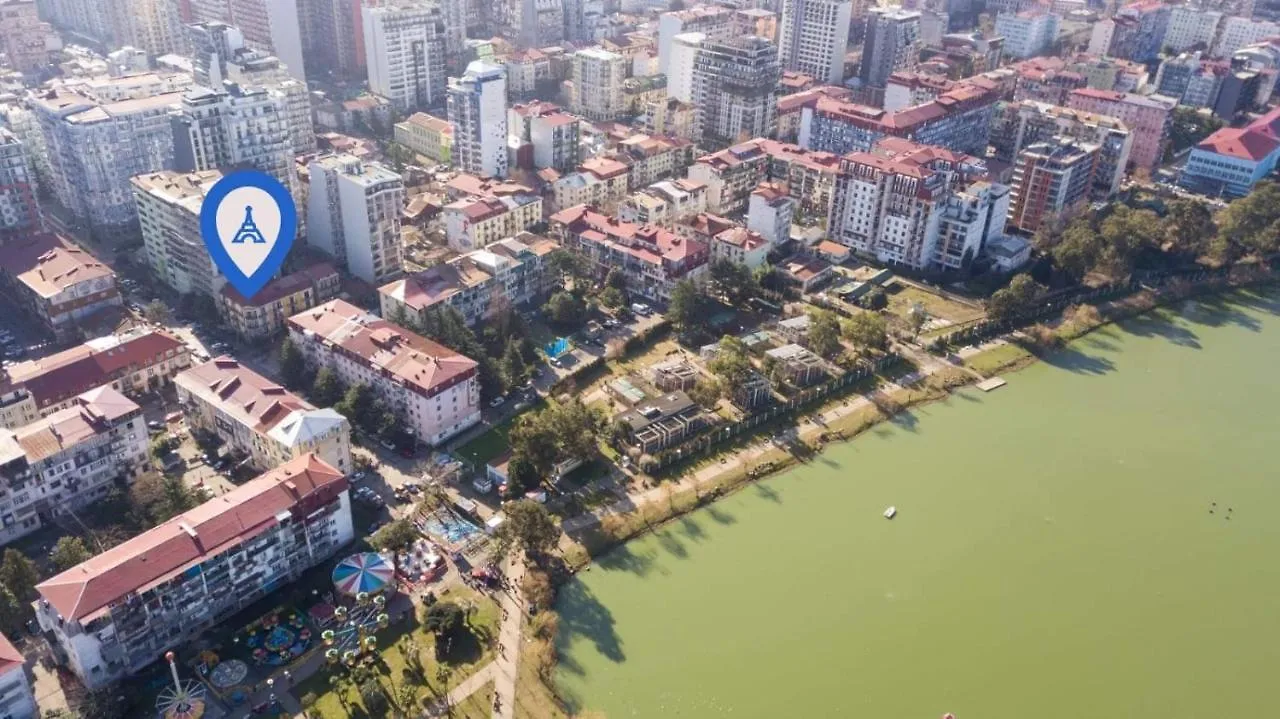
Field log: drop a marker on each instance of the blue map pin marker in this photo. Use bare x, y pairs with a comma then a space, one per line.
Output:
248, 222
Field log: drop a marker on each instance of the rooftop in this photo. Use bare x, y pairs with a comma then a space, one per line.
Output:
51, 379
49, 265
91, 414
408, 358
295, 488
282, 287
243, 395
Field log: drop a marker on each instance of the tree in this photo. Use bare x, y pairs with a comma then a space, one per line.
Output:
445, 619
733, 281
1188, 226
867, 329
875, 300
293, 366
13, 613
530, 526
102, 704
566, 310
162, 445
824, 333
326, 390
155, 498
731, 361
707, 393
19, 575
396, 537
359, 406
69, 552
616, 280
522, 476
1079, 249
158, 312
1251, 224
1018, 298
569, 430
1125, 233
687, 307
570, 265
513, 366
612, 297
373, 698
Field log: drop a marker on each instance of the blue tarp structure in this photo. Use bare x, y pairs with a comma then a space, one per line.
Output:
557, 347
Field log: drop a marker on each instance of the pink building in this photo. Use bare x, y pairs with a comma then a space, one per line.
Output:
1148, 117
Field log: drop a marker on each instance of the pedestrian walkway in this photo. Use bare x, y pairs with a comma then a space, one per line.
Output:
459, 694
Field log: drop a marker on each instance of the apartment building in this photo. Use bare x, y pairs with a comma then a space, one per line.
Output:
168, 205
1231, 161
770, 211
1029, 33
17, 700
257, 69
654, 157
958, 119
735, 90
426, 135
1189, 25
264, 315
1149, 118
525, 70
892, 44
791, 107
24, 39
812, 39
1051, 179
740, 246
69, 458
234, 126
552, 135
924, 207
597, 84
404, 51
683, 55
1019, 124
600, 181
730, 175
353, 215
1046, 79
435, 390
478, 113
57, 283
712, 21
476, 284
1238, 32
119, 611
257, 418
652, 259
1110, 73
1136, 32
19, 211
132, 363
664, 203
271, 27
98, 135
473, 222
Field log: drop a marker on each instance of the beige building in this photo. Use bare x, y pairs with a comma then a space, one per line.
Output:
427, 135
264, 315
473, 222
260, 419
597, 84
168, 205
59, 284
600, 182
132, 363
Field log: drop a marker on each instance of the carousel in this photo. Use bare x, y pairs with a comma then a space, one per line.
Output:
365, 573
350, 629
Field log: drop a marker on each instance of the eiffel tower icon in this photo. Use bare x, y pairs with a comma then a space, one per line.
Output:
248, 230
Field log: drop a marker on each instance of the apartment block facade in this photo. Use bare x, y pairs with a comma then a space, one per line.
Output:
404, 49
435, 390
69, 458
1149, 118
735, 90
59, 285
353, 215
19, 212
263, 316
478, 113
1051, 179
1019, 124
113, 615
812, 38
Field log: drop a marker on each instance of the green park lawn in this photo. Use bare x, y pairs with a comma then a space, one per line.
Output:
991, 361
398, 649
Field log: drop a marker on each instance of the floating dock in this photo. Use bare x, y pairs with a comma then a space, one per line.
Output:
991, 383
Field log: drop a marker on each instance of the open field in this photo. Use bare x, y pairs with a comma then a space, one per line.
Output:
901, 302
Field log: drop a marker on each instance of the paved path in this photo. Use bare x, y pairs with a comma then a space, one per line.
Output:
473, 684
509, 637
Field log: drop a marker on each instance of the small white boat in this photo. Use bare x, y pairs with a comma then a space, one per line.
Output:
890, 513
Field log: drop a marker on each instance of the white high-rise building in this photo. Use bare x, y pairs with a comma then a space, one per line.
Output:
713, 21
266, 71
212, 46
269, 26
233, 126
1190, 26
735, 90
1030, 33
812, 38
353, 215
404, 50
18, 209
684, 50
892, 44
597, 83
1238, 32
168, 205
478, 113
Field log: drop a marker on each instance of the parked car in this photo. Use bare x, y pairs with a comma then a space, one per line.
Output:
497, 401
390, 447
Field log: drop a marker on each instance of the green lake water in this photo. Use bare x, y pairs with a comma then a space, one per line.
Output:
1054, 554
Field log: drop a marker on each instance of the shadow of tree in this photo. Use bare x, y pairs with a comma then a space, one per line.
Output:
583, 616
1223, 310
691, 529
1074, 360
768, 493
719, 516
622, 558
669, 542
1157, 325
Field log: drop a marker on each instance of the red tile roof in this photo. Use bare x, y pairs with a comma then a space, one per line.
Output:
1240, 142
10, 657
68, 373
245, 395
282, 287
299, 487
417, 362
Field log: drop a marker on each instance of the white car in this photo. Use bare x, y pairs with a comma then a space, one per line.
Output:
497, 401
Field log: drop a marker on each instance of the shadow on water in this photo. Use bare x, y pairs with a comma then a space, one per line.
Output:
1158, 325
1223, 311
719, 516
623, 559
1074, 360
768, 493
584, 616
669, 542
